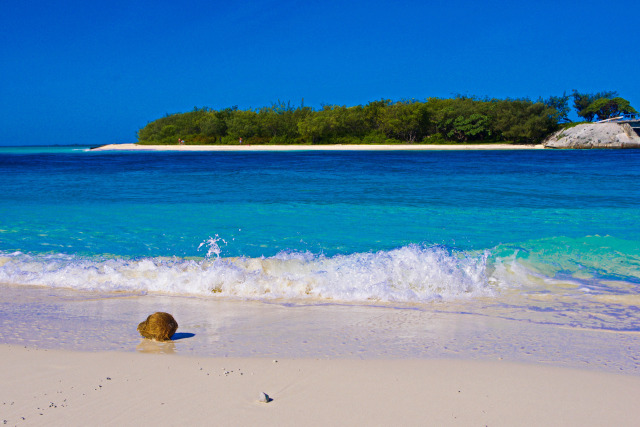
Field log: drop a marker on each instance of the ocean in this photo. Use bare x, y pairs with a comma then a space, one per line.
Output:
529, 236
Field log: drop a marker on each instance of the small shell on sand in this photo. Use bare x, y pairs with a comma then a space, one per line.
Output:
264, 398
159, 326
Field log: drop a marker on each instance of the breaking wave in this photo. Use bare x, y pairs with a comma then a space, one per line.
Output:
593, 267
410, 274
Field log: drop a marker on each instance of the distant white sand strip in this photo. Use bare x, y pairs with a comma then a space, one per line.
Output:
337, 147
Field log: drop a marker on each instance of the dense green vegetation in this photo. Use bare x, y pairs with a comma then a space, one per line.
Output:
603, 105
434, 121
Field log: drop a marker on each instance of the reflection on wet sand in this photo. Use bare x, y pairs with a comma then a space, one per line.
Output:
476, 330
149, 346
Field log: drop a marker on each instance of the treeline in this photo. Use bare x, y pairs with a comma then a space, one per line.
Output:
434, 121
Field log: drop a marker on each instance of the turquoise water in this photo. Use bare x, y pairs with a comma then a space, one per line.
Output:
541, 235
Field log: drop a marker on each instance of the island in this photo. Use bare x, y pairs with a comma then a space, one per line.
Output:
461, 122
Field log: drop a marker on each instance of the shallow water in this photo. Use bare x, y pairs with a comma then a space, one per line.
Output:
549, 237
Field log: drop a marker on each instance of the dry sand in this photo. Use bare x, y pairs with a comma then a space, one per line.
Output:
337, 147
51, 387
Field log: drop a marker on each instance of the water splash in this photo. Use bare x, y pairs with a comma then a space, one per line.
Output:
212, 244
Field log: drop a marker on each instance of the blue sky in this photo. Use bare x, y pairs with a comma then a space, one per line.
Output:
94, 72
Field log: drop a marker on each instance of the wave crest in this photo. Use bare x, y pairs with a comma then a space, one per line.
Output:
410, 274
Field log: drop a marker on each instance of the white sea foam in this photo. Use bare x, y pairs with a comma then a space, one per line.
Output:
409, 274
212, 244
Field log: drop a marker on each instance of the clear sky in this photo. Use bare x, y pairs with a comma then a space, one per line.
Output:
94, 72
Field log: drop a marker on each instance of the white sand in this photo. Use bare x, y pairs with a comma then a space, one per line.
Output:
337, 147
337, 365
48, 387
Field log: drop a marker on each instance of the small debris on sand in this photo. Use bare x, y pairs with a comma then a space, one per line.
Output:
264, 398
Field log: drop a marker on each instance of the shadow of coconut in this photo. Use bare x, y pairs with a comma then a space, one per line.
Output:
181, 335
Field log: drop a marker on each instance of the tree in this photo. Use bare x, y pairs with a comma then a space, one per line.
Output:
606, 108
561, 105
318, 126
278, 120
374, 113
406, 121
523, 121
462, 118
581, 102
243, 124
473, 127
212, 125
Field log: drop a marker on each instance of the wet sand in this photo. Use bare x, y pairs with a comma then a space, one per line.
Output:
54, 318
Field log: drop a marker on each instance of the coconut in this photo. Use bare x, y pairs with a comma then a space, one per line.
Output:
158, 326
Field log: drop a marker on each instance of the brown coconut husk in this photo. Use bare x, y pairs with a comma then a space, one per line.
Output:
159, 326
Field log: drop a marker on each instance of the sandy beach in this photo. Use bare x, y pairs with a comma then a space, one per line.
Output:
337, 147
75, 358
49, 387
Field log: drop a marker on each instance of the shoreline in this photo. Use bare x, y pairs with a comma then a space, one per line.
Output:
46, 318
55, 386
77, 355
337, 147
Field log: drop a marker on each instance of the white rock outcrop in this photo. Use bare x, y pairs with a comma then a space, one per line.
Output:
595, 135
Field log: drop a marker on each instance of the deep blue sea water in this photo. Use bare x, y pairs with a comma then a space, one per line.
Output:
540, 235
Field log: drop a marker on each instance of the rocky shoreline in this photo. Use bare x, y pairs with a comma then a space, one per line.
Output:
594, 135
